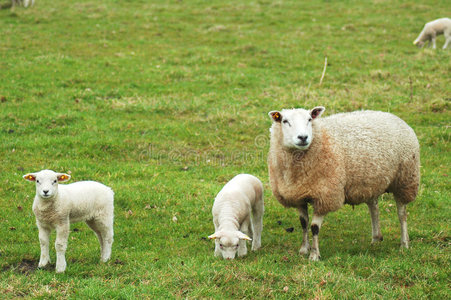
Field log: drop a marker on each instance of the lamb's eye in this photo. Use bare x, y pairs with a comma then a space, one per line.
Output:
54, 181
286, 122
220, 245
310, 119
236, 246
37, 181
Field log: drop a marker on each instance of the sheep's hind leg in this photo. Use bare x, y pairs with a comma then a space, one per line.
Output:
402, 215
376, 228
315, 227
303, 218
104, 232
447, 40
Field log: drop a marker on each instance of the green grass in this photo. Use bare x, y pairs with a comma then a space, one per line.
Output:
165, 101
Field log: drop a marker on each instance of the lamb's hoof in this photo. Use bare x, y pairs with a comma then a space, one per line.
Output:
255, 247
304, 250
314, 257
405, 245
377, 239
43, 264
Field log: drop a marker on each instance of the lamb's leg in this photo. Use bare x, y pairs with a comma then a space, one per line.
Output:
242, 248
316, 226
94, 226
447, 41
217, 247
376, 228
433, 42
62, 234
44, 238
104, 231
303, 217
402, 215
257, 225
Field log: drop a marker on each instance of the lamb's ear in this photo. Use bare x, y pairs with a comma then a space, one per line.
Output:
242, 236
317, 111
275, 115
62, 177
214, 236
30, 177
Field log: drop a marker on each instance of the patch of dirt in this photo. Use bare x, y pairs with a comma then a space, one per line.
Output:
24, 267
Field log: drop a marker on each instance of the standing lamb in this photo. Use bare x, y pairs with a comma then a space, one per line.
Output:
347, 158
237, 213
432, 29
58, 205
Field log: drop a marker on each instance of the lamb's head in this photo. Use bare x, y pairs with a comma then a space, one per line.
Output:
229, 242
296, 126
46, 182
419, 43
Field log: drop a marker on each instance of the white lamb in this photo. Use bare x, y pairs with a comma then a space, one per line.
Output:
58, 205
432, 29
237, 213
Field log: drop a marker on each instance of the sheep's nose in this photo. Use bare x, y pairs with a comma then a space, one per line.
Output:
45, 191
303, 138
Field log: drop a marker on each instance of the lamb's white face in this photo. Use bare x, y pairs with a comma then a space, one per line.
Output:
46, 182
296, 126
229, 242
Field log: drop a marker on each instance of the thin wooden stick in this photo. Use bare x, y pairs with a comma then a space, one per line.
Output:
324, 71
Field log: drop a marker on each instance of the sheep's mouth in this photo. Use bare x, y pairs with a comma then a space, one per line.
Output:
302, 144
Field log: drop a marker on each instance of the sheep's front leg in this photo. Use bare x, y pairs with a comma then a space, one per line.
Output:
242, 248
433, 42
376, 228
316, 226
62, 234
44, 237
448, 39
303, 218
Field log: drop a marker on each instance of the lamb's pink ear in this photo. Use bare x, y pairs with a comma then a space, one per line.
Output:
317, 111
30, 177
242, 236
62, 177
275, 115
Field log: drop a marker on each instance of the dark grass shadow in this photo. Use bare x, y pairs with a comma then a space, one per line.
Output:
6, 5
26, 266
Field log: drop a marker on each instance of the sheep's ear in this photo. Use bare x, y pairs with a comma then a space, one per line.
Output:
242, 236
62, 177
30, 177
317, 111
275, 115
214, 236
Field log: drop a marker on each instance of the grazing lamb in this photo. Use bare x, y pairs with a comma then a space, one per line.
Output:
57, 205
347, 158
237, 213
432, 29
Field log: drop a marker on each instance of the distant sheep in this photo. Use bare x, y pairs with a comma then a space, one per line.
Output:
432, 29
237, 213
347, 158
56, 206
25, 3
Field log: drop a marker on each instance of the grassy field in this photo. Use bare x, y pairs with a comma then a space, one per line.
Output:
165, 101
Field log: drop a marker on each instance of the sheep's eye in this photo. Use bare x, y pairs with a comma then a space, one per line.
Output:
286, 122
310, 119
54, 181
37, 181
220, 245
236, 246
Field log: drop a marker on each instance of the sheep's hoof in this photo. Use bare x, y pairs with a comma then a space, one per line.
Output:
304, 250
314, 257
377, 239
242, 252
404, 245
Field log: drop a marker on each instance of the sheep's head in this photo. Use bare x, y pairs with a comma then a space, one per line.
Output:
229, 242
419, 43
296, 125
46, 182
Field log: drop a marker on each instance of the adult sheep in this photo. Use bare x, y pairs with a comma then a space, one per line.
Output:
346, 158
